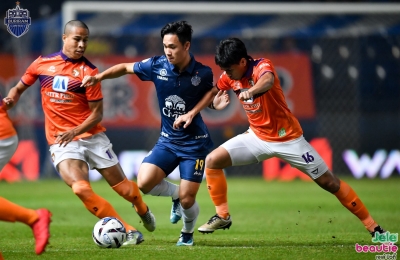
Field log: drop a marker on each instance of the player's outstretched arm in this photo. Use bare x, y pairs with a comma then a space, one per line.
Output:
264, 84
220, 101
187, 118
115, 71
95, 117
14, 94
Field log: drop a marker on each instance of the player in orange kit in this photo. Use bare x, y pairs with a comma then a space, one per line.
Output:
73, 130
39, 220
273, 132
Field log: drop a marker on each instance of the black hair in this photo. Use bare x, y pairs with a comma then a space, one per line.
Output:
74, 23
181, 29
229, 52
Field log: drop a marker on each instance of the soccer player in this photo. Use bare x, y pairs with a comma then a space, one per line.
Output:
184, 87
273, 132
38, 220
73, 130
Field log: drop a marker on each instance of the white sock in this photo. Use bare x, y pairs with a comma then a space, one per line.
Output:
189, 217
165, 189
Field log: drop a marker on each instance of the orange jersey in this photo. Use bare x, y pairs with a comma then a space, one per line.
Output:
65, 103
6, 127
268, 113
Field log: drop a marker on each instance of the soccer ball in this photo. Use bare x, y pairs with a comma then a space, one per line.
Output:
109, 232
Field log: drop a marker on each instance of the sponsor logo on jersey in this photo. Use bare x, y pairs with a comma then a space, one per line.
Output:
60, 83
162, 78
282, 132
196, 173
52, 69
174, 107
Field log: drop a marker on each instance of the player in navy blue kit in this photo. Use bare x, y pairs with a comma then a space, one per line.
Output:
184, 87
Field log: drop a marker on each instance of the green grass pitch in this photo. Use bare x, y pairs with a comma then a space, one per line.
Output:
271, 220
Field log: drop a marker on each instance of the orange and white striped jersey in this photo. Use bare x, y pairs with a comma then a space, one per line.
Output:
268, 113
6, 127
65, 103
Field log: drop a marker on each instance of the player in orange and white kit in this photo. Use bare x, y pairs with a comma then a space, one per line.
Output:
38, 220
273, 132
73, 130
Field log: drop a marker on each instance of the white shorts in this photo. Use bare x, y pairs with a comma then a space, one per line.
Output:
95, 150
247, 148
8, 147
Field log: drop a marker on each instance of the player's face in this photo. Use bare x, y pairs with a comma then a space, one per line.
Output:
176, 52
75, 42
236, 71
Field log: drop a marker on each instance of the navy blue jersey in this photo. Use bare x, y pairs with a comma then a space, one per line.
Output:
177, 94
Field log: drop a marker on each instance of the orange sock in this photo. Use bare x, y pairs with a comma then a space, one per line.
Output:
12, 212
96, 204
130, 191
218, 189
347, 196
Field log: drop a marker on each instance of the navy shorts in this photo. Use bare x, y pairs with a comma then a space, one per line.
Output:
190, 168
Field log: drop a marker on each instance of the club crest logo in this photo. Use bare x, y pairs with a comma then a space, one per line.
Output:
196, 80
17, 21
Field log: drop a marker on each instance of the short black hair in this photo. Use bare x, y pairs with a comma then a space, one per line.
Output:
74, 23
229, 52
181, 29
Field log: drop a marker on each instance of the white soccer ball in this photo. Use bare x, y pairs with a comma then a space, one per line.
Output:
109, 232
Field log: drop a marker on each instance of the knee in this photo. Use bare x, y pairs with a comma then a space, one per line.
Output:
187, 202
82, 189
329, 182
210, 161
143, 187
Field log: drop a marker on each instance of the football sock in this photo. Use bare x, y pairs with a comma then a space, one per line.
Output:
96, 204
189, 217
165, 189
218, 189
130, 191
12, 212
347, 196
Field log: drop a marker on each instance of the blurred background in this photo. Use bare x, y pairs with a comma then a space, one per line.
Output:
338, 62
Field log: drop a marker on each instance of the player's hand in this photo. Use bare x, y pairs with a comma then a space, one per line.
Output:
8, 103
66, 137
245, 95
185, 119
89, 81
221, 100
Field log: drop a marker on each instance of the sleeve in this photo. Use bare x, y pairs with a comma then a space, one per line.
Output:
209, 78
264, 67
94, 93
31, 73
143, 68
223, 82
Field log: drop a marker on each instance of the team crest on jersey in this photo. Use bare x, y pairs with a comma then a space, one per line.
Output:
75, 72
236, 84
195, 80
251, 82
60, 83
17, 21
174, 107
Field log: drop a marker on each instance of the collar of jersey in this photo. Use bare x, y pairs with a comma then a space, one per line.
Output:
65, 57
189, 68
249, 71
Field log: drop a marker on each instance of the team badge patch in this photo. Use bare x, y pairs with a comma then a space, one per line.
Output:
17, 21
196, 80
75, 72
